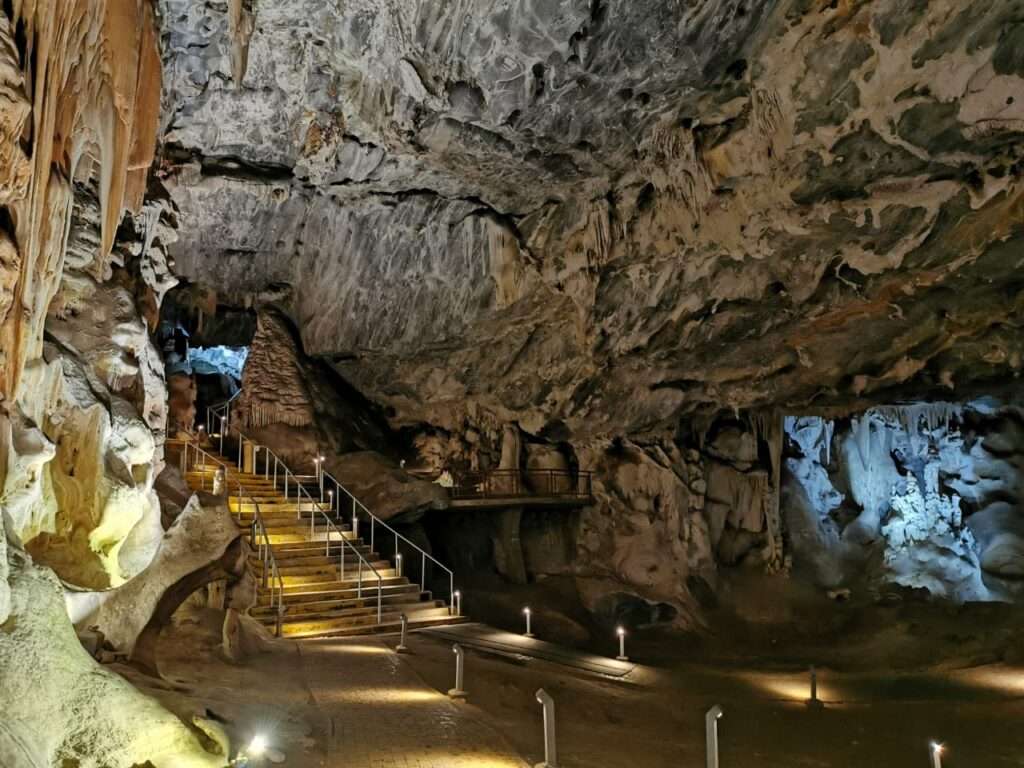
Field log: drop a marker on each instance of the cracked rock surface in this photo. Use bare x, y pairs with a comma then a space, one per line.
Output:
609, 214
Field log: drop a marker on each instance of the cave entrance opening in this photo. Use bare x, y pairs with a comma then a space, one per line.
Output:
206, 344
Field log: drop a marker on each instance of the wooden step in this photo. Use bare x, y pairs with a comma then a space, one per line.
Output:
298, 606
358, 610
315, 578
391, 624
317, 556
337, 590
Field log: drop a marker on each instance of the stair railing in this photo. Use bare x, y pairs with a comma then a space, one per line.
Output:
223, 412
271, 574
318, 507
357, 505
281, 470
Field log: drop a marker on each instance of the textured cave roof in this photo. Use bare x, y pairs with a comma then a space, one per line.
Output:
607, 215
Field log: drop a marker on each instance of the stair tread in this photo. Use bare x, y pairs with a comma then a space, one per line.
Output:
388, 627
317, 603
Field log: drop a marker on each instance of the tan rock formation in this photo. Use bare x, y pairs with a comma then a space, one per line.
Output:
273, 388
192, 553
61, 708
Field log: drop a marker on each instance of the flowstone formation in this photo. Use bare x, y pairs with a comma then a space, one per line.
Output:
926, 496
607, 215
82, 394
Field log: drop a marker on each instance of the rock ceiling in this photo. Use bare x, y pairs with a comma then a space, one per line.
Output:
603, 216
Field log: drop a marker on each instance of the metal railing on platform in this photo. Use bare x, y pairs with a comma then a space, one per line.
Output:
518, 483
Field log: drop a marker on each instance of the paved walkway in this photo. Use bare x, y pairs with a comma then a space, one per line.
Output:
381, 715
489, 640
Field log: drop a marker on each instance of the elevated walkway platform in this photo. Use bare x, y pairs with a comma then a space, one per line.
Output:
481, 637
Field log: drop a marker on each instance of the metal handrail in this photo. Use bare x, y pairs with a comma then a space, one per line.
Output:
259, 534
521, 483
281, 467
320, 475
374, 521
318, 507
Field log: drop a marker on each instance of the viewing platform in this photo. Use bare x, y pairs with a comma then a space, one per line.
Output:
499, 488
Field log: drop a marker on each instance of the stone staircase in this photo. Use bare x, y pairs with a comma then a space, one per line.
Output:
320, 601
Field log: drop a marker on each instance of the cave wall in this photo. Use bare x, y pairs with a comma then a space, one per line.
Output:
82, 394
612, 216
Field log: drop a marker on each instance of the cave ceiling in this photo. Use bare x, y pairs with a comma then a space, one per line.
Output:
604, 216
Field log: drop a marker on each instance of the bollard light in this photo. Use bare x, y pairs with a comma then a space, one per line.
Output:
526, 612
402, 647
398, 565
550, 751
458, 602
937, 750
458, 692
711, 734
330, 502
814, 702
621, 632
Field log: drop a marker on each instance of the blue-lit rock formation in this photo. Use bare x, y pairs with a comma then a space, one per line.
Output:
923, 495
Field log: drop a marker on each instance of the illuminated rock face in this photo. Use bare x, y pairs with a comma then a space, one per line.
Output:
82, 408
609, 214
935, 490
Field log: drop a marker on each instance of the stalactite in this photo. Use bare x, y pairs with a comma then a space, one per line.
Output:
241, 24
92, 81
910, 416
828, 430
768, 427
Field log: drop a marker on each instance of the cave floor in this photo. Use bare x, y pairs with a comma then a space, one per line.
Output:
355, 703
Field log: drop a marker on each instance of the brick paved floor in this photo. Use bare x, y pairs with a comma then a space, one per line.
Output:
382, 715
330, 704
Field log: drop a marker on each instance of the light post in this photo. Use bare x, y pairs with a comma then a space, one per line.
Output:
814, 702
528, 614
402, 647
222, 420
711, 734
936, 754
321, 472
621, 632
458, 692
550, 752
